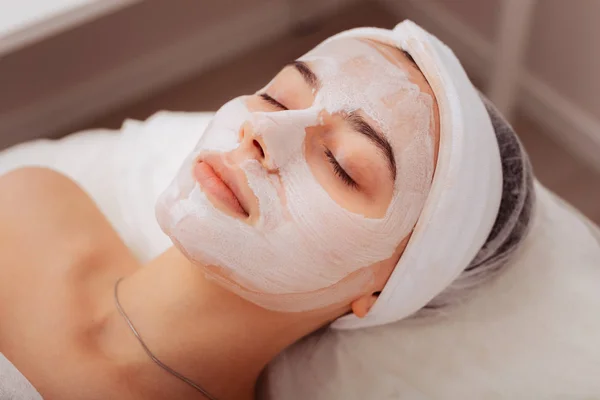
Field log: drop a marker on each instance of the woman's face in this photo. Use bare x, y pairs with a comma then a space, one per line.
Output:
302, 195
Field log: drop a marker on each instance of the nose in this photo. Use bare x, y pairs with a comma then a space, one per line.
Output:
252, 145
275, 139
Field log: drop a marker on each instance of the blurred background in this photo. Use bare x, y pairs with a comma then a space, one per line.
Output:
69, 65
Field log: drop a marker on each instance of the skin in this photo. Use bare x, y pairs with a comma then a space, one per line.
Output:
60, 259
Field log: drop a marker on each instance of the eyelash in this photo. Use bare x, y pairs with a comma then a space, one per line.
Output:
272, 101
339, 171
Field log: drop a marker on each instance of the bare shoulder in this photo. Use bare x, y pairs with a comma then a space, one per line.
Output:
41, 200
44, 214
24, 184
58, 256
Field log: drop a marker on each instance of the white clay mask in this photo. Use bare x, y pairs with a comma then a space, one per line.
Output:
303, 250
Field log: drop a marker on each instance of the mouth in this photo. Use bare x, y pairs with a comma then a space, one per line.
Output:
220, 187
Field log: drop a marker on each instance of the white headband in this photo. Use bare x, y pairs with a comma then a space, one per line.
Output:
467, 186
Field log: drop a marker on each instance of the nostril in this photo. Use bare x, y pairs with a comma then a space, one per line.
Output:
256, 144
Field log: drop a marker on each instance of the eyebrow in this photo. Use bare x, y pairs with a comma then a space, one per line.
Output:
360, 125
309, 76
356, 121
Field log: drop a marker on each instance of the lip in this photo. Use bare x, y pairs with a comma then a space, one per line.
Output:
219, 183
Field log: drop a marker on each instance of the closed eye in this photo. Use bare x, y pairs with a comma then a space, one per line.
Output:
339, 171
272, 101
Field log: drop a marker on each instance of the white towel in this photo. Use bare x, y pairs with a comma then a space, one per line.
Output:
13, 385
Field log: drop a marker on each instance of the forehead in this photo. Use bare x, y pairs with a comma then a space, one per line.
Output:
360, 56
370, 77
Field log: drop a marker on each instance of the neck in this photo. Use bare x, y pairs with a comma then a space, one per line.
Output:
204, 332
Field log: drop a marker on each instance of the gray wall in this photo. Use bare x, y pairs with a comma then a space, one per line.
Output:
55, 85
479, 14
564, 47
565, 50
36, 82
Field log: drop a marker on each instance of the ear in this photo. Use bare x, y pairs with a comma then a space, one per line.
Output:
362, 305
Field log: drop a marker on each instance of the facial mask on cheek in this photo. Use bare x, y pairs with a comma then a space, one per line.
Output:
171, 208
305, 251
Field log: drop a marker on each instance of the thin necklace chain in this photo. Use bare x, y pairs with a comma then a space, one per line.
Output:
150, 354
